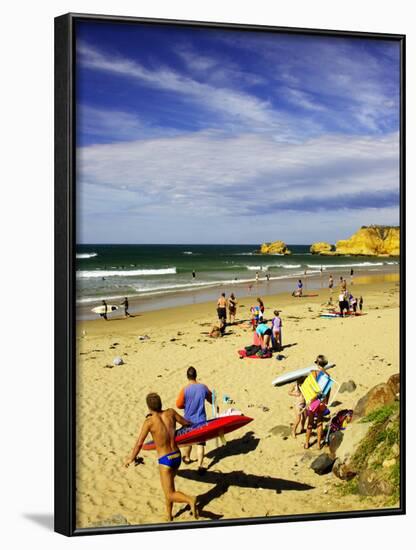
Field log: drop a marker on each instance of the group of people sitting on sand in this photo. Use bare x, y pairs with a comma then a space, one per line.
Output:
161, 424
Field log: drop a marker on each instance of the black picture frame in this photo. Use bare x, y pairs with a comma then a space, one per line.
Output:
65, 224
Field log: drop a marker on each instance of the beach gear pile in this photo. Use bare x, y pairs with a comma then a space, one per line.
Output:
254, 352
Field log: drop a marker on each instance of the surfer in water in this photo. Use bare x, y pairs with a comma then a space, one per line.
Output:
192, 398
161, 425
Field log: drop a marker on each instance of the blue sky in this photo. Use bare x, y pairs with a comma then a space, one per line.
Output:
210, 136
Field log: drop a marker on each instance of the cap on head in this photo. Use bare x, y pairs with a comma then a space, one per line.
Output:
191, 373
154, 402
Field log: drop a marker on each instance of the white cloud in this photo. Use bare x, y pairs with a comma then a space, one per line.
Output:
218, 174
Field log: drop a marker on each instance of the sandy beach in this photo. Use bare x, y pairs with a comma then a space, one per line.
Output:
258, 472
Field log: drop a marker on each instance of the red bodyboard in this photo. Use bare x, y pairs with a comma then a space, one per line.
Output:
209, 430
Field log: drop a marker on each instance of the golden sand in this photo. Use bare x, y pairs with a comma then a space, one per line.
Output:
257, 473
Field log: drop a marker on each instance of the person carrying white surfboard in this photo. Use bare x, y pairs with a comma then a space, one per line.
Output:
104, 314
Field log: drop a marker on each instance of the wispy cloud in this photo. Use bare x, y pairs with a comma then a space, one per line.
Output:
215, 173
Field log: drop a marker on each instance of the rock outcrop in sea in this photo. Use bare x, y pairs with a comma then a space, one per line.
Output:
374, 240
276, 247
321, 248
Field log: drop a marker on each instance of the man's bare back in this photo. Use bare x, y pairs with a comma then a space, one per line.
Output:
162, 426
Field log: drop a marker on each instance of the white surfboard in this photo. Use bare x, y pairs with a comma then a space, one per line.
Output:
101, 309
294, 375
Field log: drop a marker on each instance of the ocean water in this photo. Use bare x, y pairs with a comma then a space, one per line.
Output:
115, 271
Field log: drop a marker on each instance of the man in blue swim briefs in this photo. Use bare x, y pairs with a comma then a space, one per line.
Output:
192, 398
161, 425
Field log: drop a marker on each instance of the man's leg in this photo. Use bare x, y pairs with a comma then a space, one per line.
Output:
167, 477
200, 454
186, 454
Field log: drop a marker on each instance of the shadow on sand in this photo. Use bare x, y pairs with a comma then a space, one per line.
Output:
243, 445
222, 482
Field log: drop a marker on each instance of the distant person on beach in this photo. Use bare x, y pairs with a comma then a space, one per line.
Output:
352, 275
125, 303
232, 307
300, 407
353, 303
331, 283
360, 303
261, 306
343, 283
192, 399
257, 276
222, 308
104, 314
299, 289
267, 277
161, 425
317, 415
255, 315
264, 332
343, 303
277, 330
193, 274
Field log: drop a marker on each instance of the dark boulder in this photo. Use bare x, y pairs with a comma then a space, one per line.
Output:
343, 470
377, 397
394, 383
322, 464
370, 484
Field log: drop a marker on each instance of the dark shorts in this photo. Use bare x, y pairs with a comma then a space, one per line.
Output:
222, 313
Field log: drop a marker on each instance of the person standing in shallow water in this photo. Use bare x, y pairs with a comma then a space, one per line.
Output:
193, 274
125, 303
161, 425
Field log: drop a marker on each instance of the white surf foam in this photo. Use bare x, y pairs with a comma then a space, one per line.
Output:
85, 255
124, 273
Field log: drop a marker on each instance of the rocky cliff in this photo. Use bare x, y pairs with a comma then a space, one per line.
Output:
321, 248
374, 240
276, 247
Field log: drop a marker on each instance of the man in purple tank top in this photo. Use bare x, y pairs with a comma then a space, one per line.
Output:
192, 398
